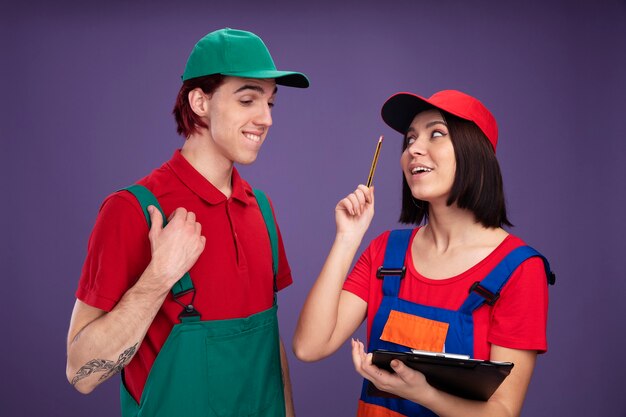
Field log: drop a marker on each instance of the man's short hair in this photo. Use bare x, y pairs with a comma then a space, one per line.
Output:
187, 121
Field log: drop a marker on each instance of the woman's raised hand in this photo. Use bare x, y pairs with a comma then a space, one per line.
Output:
354, 213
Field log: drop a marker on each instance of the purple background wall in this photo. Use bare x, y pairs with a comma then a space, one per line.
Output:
87, 92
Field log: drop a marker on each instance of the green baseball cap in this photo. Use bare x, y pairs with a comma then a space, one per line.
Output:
237, 53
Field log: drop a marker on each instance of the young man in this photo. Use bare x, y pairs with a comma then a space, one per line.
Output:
206, 344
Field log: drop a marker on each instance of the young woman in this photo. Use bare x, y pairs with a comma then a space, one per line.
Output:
444, 286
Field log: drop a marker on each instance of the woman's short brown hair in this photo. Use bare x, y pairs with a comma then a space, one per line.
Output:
477, 184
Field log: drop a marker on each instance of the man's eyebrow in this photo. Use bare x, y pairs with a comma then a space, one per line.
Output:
254, 87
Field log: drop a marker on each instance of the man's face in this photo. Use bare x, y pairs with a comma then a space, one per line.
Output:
240, 115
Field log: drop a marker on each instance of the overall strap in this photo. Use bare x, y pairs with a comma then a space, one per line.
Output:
146, 198
392, 271
270, 224
185, 285
488, 290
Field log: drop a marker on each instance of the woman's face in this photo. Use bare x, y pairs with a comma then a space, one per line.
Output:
428, 161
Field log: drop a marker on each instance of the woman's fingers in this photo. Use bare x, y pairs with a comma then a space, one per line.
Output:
364, 366
358, 356
356, 202
368, 192
346, 205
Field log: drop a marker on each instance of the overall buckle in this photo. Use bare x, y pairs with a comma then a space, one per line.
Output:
381, 273
490, 297
188, 309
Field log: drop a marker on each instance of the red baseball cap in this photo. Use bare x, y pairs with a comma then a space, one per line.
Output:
400, 109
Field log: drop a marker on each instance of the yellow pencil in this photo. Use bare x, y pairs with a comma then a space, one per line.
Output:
374, 161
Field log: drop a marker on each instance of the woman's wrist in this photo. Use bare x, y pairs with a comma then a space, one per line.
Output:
349, 238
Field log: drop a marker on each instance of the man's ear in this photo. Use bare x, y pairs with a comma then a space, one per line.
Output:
199, 102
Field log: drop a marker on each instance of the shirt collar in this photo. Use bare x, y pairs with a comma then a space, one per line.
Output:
200, 186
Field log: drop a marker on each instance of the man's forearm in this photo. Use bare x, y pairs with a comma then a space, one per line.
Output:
101, 344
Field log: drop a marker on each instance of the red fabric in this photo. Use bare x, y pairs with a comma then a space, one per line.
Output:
517, 321
232, 277
372, 410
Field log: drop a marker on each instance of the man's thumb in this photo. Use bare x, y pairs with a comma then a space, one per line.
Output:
156, 219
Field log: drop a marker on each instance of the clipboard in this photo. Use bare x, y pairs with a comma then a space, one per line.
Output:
474, 379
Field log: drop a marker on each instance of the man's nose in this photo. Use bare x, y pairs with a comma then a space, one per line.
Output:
264, 117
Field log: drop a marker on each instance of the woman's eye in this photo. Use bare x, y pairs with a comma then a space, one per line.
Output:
437, 134
245, 102
410, 140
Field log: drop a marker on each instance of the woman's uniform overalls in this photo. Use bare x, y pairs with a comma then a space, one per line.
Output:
401, 325
214, 368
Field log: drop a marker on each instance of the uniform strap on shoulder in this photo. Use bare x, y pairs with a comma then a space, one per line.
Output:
393, 269
270, 224
145, 199
488, 290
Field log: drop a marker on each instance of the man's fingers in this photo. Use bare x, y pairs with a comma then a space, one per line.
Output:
156, 219
179, 212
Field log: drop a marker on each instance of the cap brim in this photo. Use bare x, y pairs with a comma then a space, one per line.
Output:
286, 78
400, 109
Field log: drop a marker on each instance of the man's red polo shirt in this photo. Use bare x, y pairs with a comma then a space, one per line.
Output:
232, 277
